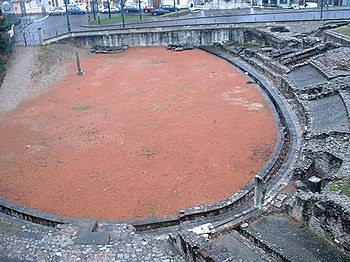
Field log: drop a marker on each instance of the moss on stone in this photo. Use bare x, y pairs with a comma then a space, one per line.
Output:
344, 30
341, 186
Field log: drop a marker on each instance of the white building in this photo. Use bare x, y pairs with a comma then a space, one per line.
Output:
228, 4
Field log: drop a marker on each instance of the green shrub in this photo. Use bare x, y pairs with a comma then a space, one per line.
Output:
5, 48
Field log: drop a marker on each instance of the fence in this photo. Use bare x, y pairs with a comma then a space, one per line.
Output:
24, 37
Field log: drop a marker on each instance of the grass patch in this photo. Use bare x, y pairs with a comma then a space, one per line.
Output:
248, 46
245, 45
20, 173
344, 30
134, 18
81, 108
118, 19
148, 152
341, 186
178, 13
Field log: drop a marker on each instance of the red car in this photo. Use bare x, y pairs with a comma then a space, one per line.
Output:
148, 8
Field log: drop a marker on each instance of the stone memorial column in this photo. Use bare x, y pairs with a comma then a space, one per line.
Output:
258, 192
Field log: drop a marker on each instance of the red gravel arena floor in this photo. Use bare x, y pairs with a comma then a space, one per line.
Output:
141, 134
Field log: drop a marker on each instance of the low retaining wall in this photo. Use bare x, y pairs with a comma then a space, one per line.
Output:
331, 36
195, 35
266, 38
196, 248
31, 215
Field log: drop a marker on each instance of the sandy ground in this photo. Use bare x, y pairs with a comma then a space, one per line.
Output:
141, 134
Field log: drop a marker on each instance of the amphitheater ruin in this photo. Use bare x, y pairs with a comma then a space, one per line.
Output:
304, 72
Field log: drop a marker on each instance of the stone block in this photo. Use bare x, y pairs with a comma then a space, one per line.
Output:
300, 185
85, 237
88, 235
314, 184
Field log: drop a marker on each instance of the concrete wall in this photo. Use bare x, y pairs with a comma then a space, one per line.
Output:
199, 35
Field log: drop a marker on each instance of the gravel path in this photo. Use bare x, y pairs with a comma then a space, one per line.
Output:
31, 69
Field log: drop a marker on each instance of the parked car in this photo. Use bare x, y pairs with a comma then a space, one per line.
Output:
197, 8
171, 8
294, 6
57, 11
310, 5
81, 6
131, 9
74, 10
105, 9
148, 8
159, 11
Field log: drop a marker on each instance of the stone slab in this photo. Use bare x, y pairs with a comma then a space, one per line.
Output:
85, 237
306, 76
329, 114
241, 249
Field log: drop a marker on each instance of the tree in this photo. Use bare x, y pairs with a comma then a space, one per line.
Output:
5, 46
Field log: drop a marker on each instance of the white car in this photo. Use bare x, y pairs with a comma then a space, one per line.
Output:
310, 5
197, 8
294, 6
57, 11
105, 9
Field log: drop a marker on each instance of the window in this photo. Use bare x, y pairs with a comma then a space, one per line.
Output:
6, 6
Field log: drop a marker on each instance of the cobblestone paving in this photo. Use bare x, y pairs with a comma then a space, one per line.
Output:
21, 241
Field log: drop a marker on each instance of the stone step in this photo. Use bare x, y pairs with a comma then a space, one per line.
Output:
307, 54
261, 66
288, 240
260, 61
88, 235
273, 64
241, 248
